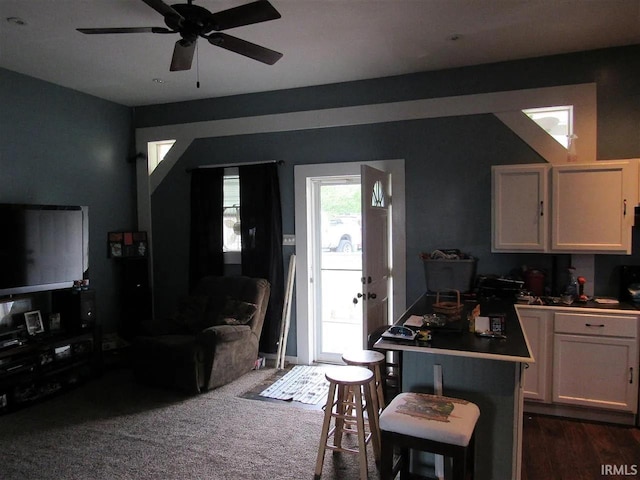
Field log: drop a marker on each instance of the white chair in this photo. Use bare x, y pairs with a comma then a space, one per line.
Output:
429, 423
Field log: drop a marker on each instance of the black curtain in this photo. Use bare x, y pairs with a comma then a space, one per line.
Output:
205, 254
261, 230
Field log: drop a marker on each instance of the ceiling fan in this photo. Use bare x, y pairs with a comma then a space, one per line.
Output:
192, 21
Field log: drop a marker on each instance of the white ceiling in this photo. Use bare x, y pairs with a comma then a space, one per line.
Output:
323, 41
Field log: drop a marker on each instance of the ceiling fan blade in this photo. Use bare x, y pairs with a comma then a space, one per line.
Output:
99, 31
245, 48
254, 12
182, 55
164, 9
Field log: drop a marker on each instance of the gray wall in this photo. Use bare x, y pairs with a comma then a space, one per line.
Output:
614, 70
59, 146
447, 159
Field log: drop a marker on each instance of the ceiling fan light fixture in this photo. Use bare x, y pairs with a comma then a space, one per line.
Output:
192, 22
187, 42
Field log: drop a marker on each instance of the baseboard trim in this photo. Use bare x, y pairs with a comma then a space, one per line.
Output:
272, 358
590, 414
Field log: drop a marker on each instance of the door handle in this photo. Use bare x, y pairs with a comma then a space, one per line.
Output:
371, 295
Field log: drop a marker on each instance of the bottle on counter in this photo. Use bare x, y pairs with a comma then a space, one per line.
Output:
581, 295
471, 317
572, 286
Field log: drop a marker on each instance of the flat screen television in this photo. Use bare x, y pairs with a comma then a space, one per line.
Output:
42, 247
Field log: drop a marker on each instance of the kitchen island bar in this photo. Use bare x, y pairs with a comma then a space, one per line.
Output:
485, 371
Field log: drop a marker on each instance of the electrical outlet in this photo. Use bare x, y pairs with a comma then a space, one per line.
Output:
288, 239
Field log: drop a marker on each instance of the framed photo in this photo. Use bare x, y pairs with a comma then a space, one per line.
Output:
33, 321
127, 244
54, 322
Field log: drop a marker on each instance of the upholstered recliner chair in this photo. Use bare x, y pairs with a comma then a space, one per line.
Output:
211, 341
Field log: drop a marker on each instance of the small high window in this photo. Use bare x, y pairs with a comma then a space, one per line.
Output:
557, 121
156, 151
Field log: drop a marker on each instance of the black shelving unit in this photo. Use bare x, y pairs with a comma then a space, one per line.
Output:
135, 295
43, 365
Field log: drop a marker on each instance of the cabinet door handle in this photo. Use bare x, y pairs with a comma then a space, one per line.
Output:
630, 374
624, 210
590, 325
542, 208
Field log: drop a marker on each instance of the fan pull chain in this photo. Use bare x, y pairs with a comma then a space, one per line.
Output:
197, 65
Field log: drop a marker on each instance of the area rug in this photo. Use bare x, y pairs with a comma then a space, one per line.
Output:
304, 384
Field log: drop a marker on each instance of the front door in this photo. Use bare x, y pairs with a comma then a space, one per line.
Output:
376, 278
312, 268
336, 267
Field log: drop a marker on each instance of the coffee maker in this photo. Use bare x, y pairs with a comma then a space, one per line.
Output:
630, 284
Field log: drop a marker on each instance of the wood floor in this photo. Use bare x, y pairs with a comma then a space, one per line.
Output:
562, 449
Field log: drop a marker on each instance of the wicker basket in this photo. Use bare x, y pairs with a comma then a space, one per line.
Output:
452, 309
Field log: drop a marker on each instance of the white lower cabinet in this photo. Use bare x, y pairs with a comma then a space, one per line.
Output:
583, 358
538, 326
595, 361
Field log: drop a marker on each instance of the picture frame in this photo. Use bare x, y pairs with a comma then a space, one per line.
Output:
54, 322
127, 244
33, 321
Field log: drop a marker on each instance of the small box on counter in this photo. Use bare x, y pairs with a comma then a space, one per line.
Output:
491, 325
497, 323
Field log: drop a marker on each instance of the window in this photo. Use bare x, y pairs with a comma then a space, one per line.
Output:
557, 121
156, 151
231, 211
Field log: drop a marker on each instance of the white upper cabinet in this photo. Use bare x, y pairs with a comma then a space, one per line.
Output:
519, 208
589, 209
593, 207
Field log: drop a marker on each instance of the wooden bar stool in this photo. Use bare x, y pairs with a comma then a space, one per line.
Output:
392, 368
351, 393
374, 361
429, 423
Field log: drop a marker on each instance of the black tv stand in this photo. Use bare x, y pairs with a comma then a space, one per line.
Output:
45, 364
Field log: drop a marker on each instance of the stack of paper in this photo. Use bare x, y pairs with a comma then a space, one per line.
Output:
482, 324
607, 301
413, 321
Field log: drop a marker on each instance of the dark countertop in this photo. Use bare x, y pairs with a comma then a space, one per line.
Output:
555, 302
456, 339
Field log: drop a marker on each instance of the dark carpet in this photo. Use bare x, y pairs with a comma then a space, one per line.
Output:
113, 428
